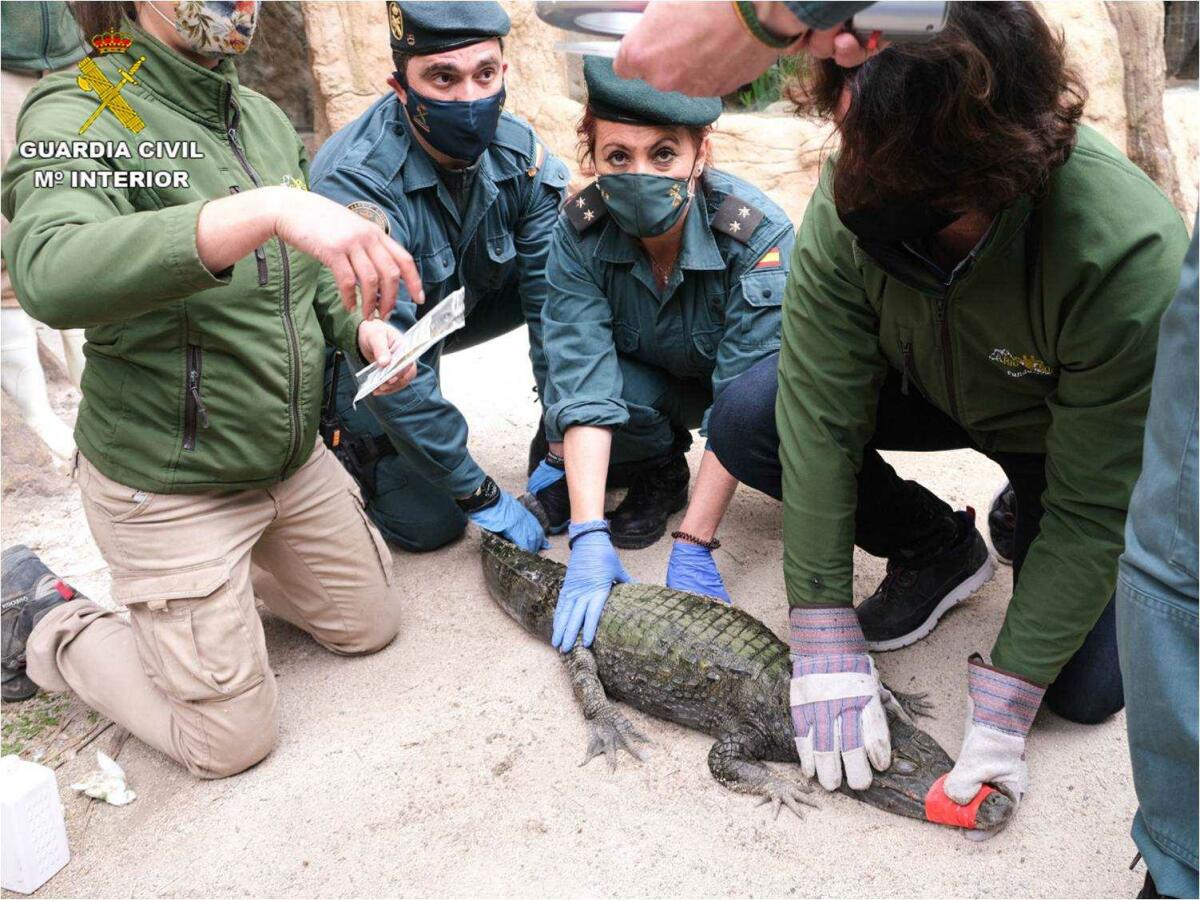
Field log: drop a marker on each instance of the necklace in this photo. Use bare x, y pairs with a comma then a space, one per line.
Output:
662, 273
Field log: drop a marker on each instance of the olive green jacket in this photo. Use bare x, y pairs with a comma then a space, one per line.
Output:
1041, 341
194, 380
37, 37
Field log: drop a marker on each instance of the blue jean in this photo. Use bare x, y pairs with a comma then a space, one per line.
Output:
1157, 606
899, 519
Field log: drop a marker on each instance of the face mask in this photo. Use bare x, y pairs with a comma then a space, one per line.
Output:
645, 205
902, 221
462, 129
214, 29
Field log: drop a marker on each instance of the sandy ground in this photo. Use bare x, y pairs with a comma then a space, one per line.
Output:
448, 763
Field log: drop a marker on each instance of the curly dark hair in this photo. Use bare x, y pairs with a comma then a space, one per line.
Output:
972, 119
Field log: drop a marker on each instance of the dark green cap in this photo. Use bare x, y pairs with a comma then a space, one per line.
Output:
424, 28
632, 100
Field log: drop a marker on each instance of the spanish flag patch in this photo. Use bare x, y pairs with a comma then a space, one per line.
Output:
770, 260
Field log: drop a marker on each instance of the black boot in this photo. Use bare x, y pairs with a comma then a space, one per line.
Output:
28, 590
913, 596
656, 490
538, 447
1002, 523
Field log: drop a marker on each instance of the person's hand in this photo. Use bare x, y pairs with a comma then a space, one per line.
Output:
1000, 713
691, 568
836, 703
706, 51
377, 340
548, 472
591, 572
355, 250
513, 522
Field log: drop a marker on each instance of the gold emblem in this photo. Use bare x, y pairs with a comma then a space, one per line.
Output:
396, 20
1019, 365
676, 196
91, 79
372, 213
421, 118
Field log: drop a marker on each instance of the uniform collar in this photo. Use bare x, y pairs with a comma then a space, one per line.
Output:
201, 94
698, 251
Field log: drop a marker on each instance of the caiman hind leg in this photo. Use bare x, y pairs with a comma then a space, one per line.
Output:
610, 729
910, 706
734, 762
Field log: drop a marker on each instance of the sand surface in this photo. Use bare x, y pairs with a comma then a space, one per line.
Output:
448, 763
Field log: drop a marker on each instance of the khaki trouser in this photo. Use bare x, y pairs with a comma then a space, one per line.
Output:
188, 674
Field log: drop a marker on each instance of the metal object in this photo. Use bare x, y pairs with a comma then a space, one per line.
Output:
896, 21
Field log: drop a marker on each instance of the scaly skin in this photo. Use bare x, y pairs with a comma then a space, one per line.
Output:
711, 667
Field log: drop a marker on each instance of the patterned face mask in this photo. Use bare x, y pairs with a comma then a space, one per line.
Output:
213, 28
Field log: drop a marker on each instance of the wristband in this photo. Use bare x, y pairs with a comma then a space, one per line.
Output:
487, 494
603, 527
749, 19
692, 539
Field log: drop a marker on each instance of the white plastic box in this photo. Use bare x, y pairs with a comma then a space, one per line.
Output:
33, 835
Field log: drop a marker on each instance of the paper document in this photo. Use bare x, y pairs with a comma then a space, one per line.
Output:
443, 320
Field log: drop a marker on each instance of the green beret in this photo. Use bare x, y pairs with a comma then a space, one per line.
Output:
424, 28
632, 100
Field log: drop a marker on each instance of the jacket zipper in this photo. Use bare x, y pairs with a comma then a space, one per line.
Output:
45, 35
193, 403
288, 324
260, 255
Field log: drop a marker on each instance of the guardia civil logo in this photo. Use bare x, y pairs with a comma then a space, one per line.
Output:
91, 79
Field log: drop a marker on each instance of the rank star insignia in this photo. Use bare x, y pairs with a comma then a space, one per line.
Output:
588, 215
744, 212
581, 203
735, 226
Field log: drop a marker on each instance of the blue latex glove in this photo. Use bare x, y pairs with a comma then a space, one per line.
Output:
509, 519
544, 476
691, 568
591, 571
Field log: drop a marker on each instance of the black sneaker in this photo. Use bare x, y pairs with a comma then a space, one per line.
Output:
909, 601
28, 590
538, 447
657, 490
1002, 523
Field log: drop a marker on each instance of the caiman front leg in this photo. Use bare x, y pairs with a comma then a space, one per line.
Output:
734, 762
610, 729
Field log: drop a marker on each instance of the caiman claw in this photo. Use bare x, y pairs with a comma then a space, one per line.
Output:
783, 792
610, 731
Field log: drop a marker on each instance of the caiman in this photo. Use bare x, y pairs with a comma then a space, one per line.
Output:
715, 668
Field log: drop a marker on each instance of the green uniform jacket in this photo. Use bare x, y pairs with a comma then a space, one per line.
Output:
194, 381
37, 37
717, 316
1041, 341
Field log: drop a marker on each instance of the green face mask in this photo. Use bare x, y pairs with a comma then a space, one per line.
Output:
644, 205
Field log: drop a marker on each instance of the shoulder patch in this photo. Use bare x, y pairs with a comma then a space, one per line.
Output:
372, 213
737, 218
586, 208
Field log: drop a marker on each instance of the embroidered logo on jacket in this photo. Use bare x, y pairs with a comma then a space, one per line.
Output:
1019, 366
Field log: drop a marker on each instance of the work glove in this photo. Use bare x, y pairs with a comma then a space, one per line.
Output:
691, 568
512, 521
549, 471
591, 572
836, 700
1000, 713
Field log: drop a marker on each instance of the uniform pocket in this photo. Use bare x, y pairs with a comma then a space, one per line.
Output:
193, 633
116, 501
500, 247
762, 323
625, 337
436, 265
705, 342
382, 550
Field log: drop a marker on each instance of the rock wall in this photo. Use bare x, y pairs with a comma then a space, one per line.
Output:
350, 60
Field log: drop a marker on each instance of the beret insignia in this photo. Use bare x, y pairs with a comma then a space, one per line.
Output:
396, 20
372, 213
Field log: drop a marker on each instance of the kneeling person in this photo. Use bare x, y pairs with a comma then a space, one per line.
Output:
665, 283
473, 193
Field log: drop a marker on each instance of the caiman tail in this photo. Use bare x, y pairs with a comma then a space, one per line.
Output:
717, 669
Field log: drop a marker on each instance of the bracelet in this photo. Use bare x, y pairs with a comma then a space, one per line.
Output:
692, 539
599, 528
749, 19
